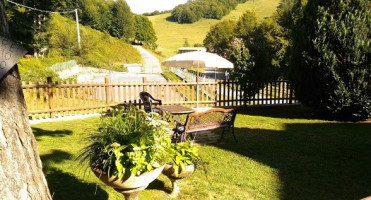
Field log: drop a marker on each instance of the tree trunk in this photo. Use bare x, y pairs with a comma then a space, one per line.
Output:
21, 175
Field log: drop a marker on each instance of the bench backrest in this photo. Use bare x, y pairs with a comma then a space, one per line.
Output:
211, 119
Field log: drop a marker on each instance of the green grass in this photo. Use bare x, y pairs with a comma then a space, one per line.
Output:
171, 35
263, 9
170, 76
283, 153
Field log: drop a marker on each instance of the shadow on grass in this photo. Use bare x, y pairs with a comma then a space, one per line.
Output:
315, 160
284, 111
170, 19
38, 132
65, 186
158, 185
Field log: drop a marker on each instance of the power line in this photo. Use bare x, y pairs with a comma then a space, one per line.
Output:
40, 10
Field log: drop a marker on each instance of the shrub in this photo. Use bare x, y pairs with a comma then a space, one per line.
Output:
33, 69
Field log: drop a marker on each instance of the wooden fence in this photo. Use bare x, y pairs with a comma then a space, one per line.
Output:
52, 99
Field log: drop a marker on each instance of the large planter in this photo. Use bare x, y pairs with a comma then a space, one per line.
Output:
131, 186
175, 180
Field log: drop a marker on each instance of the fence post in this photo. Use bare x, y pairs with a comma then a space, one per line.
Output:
244, 89
106, 81
290, 99
51, 95
144, 81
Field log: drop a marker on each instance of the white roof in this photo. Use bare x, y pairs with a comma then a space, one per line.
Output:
198, 59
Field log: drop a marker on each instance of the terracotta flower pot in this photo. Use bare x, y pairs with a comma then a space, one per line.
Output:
131, 186
175, 180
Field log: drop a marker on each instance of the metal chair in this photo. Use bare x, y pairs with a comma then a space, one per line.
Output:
147, 100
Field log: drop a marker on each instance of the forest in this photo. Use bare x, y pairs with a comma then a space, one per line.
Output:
195, 10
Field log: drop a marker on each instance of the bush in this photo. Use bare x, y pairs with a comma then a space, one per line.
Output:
331, 67
33, 69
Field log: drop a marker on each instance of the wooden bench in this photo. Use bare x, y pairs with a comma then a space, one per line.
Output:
205, 121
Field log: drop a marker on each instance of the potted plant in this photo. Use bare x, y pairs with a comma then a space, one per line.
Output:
128, 150
183, 163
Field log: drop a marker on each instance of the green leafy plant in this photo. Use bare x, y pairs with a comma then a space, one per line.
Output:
128, 142
182, 155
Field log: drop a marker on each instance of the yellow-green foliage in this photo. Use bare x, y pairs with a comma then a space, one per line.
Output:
171, 34
33, 69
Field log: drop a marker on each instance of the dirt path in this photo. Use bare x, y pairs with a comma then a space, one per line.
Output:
151, 63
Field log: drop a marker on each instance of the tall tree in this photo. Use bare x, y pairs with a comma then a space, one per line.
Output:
331, 65
21, 175
123, 21
220, 36
144, 32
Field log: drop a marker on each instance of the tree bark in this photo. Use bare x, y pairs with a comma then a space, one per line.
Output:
21, 175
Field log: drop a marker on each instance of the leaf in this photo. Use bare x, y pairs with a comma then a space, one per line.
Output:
120, 175
119, 166
149, 167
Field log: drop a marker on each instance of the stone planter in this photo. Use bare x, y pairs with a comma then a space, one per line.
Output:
175, 180
131, 186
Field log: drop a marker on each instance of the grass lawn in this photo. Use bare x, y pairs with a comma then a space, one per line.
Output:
283, 153
171, 35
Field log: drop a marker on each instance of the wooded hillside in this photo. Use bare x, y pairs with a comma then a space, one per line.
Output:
210, 9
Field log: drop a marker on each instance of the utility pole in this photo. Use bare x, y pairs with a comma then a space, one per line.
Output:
78, 28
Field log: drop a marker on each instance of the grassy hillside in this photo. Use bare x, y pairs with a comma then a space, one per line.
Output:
96, 49
263, 8
171, 35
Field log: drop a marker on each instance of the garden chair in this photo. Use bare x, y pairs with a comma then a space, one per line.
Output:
148, 100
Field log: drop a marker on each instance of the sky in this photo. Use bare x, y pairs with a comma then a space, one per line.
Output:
142, 6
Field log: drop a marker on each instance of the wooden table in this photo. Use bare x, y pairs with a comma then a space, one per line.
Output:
175, 109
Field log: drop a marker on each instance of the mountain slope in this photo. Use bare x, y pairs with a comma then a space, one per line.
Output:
171, 35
